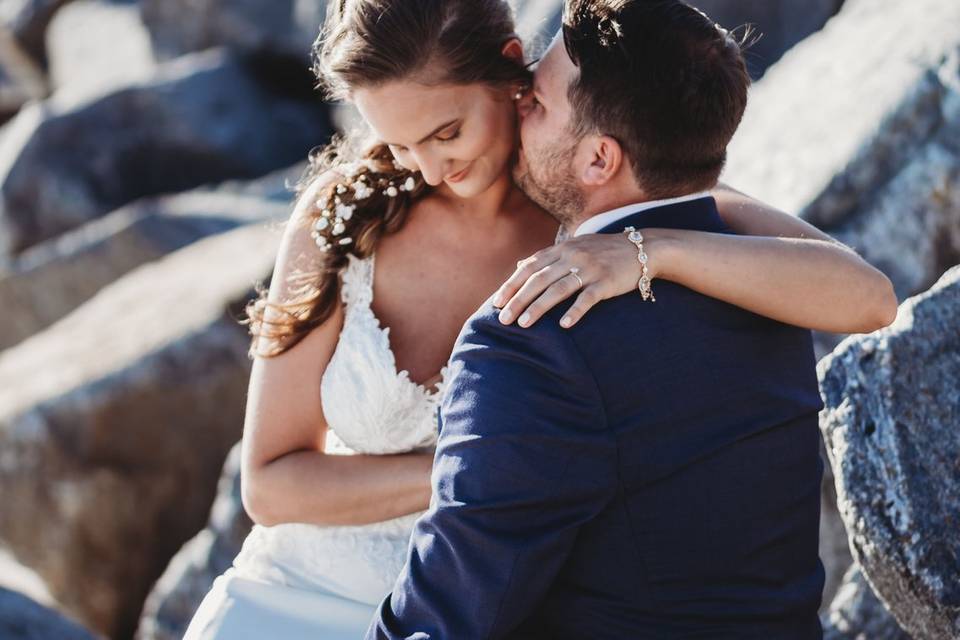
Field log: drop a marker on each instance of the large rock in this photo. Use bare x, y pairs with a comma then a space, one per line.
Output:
782, 23
857, 129
23, 619
857, 614
283, 27
188, 578
94, 46
52, 278
115, 421
892, 429
202, 118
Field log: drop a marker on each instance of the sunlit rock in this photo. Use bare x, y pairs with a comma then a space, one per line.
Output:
891, 428
115, 421
857, 129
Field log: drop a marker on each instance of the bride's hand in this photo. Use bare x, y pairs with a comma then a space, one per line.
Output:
607, 265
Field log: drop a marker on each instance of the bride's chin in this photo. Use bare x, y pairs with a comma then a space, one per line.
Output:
474, 185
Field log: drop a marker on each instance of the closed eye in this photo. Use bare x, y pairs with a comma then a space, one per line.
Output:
449, 137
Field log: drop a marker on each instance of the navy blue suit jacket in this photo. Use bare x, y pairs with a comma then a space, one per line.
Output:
651, 473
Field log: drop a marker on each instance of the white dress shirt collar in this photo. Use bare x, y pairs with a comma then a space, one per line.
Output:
601, 220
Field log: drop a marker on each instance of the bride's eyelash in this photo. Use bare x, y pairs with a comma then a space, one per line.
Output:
456, 134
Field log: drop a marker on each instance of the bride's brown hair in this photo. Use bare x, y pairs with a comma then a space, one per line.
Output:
363, 193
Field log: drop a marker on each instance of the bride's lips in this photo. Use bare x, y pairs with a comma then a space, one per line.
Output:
459, 175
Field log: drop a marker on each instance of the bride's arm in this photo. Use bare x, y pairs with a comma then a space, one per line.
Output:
782, 268
285, 475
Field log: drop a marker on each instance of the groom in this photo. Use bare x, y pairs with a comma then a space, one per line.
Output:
652, 472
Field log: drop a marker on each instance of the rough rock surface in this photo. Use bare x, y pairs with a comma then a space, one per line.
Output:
187, 579
202, 118
115, 421
284, 27
857, 614
52, 278
23, 619
873, 157
891, 428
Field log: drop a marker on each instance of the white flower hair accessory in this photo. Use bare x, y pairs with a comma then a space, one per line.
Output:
337, 210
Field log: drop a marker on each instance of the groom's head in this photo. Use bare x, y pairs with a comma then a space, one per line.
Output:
633, 100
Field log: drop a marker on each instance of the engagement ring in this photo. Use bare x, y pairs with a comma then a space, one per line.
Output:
575, 272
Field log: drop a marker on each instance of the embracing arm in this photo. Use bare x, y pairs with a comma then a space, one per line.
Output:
781, 267
523, 461
286, 476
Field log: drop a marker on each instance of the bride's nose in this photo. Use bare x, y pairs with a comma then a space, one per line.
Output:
431, 167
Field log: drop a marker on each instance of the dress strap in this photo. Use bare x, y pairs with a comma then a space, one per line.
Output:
357, 289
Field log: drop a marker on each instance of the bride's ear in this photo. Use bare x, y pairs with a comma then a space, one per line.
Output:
513, 49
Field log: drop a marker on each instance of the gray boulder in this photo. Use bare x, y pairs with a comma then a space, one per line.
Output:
873, 157
53, 278
23, 619
202, 118
891, 428
281, 27
188, 578
857, 614
115, 421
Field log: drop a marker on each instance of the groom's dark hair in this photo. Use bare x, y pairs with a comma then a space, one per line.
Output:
661, 78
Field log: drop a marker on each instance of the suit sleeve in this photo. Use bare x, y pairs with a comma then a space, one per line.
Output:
524, 459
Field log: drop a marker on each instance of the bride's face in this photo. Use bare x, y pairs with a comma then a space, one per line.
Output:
458, 135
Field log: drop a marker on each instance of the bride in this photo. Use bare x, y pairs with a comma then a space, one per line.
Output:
386, 254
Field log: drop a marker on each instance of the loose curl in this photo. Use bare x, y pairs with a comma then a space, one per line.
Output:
363, 193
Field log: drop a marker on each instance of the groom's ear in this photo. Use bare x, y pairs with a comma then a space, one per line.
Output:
513, 49
603, 160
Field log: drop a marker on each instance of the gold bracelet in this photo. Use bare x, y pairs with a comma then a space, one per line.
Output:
646, 291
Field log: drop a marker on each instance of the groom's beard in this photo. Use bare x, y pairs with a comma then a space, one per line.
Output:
547, 179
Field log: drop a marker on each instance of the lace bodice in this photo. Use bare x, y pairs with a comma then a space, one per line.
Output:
370, 408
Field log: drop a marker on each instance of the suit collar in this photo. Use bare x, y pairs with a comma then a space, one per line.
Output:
697, 215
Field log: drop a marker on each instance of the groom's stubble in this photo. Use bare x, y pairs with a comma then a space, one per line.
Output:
546, 176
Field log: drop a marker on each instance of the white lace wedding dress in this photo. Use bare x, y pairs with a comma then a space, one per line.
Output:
296, 581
